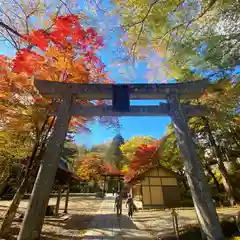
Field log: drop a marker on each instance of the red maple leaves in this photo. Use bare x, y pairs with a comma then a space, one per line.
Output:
38, 38
66, 32
26, 61
109, 170
143, 157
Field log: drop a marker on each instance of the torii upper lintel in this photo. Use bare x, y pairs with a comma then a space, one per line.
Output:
50, 89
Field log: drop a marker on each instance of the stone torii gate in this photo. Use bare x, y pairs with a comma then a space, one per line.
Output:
121, 95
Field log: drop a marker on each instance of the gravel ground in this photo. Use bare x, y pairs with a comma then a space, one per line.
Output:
160, 223
81, 210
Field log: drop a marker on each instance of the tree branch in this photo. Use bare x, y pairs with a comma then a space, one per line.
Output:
133, 48
65, 4
12, 41
201, 14
3, 25
97, 5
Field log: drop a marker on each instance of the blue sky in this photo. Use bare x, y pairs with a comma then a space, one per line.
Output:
134, 73
130, 126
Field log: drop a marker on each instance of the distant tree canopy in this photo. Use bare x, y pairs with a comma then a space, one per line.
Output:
130, 146
70, 152
114, 155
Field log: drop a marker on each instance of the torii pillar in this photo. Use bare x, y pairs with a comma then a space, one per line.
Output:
205, 209
35, 213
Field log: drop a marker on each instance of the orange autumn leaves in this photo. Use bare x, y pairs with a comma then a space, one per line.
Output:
66, 52
11, 83
92, 166
89, 167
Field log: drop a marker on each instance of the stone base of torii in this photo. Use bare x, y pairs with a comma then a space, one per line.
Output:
69, 92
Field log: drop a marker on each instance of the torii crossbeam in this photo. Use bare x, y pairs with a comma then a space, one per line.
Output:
191, 89
59, 90
121, 96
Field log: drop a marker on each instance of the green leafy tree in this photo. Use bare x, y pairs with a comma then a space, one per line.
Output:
190, 35
183, 34
129, 147
14, 147
170, 155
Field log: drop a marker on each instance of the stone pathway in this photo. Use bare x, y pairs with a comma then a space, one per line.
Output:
106, 225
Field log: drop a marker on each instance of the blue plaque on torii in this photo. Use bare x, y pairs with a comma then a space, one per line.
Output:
120, 98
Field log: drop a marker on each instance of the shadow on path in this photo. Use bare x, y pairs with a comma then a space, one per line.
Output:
109, 226
55, 236
103, 221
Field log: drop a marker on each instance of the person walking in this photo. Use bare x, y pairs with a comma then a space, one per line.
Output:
118, 203
130, 205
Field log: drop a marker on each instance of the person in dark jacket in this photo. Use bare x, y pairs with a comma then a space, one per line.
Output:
130, 205
118, 203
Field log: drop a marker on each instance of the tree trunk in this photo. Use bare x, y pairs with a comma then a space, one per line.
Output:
34, 217
202, 199
226, 181
236, 136
218, 185
184, 181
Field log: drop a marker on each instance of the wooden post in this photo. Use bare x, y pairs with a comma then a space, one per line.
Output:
34, 217
67, 198
175, 223
104, 185
237, 219
202, 199
58, 200
119, 184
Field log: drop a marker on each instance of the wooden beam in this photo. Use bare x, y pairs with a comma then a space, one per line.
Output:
137, 111
67, 199
191, 89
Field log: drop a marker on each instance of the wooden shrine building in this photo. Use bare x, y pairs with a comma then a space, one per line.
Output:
63, 181
156, 187
112, 179
64, 175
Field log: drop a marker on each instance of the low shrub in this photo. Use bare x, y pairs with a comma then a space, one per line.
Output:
229, 227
